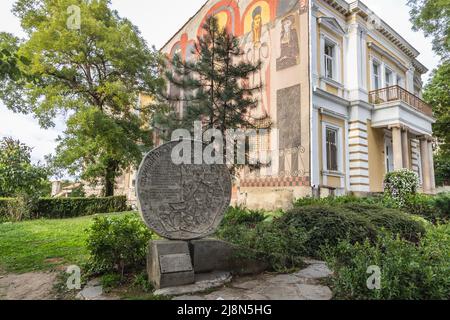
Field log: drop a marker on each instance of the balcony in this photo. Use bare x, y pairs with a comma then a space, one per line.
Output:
398, 94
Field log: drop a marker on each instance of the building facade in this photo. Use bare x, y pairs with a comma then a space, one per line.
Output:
342, 89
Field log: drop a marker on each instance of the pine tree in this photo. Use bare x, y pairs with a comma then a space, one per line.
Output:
214, 86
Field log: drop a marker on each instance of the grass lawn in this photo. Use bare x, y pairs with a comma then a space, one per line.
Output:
41, 245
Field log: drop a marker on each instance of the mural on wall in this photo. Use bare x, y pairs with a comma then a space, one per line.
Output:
288, 108
228, 16
289, 43
256, 44
286, 6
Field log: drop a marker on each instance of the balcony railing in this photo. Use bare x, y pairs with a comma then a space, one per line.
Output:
397, 93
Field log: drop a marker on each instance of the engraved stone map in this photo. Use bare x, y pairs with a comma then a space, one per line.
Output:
181, 202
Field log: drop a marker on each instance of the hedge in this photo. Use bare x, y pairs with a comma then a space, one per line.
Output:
58, 208
328, 225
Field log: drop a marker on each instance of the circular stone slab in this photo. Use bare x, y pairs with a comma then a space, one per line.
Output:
182, 202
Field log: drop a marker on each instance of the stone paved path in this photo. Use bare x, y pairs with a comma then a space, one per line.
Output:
303, 285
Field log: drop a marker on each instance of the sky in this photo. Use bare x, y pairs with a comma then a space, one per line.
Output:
158, 21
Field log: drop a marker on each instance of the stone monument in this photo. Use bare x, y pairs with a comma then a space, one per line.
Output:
181, 203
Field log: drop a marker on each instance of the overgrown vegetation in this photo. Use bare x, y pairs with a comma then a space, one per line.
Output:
408, 271
117, 245
18, 175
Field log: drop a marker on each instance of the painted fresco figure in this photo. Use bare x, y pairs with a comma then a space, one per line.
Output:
256, 46
289, 46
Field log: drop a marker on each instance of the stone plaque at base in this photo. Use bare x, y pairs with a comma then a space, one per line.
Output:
169, 264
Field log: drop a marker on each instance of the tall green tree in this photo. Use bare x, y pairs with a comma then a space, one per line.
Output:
437, 93
213, 83
18, 175
433, 18
8, 56
91, 64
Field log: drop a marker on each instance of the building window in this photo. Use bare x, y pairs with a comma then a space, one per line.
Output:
376, 76
332, 149
389, 78
400, 82
329, 56
389, 155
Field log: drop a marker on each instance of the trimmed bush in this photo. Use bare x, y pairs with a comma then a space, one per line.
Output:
328, 225
58, 208
379, 200
75, 207
395, 221
117, 244
355, 222
408, 271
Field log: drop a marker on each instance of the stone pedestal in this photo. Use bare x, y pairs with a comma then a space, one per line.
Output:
169, 264
209, 255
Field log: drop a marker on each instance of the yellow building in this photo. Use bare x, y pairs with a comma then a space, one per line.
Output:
342, 89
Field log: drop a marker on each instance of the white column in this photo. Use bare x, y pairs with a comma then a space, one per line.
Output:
397, 147
410, 79
432, 173
425, 157
314, 49
406, 149
355, 67
382, 74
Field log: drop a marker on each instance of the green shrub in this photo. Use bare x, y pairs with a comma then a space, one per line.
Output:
26, 207
268, 240
6, 204
117, 244
400, 184
432, 208
141, 282
328, 225
110, 280
239, 216
55, 208
442, 204
393, 220
334, 201
408, 271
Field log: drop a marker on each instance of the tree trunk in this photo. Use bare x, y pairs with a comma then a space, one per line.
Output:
110, 178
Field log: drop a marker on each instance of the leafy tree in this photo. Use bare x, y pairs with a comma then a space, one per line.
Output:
18, 175
96, 144
437, 93
433, 17
442, 168
94, 72
213, 83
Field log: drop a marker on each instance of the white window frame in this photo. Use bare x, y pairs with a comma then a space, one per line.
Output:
390, 158
400, 81
392, 75
326, 39
329, 58
378, 74
340, 151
